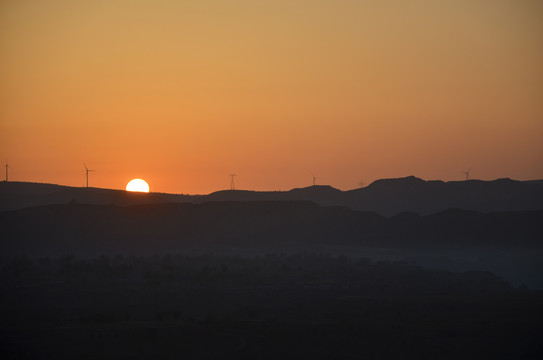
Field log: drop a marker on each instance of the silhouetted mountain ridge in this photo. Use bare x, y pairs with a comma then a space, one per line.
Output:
387, 196
407, 181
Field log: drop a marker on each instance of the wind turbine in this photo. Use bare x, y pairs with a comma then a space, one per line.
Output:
314, 179
87, 173
232, 183
7, 167
467, 173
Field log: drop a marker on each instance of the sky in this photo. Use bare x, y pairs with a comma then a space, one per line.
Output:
184, 93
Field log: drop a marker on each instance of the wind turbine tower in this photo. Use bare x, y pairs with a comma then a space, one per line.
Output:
467, 173
87, 171
7, 167
232, 183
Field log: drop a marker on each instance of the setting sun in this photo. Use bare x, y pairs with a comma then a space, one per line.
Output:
137, 185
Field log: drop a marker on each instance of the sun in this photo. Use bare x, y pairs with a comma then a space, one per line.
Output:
137, 185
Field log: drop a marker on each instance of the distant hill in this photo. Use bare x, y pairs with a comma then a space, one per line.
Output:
387, 197
18, 195
392, 196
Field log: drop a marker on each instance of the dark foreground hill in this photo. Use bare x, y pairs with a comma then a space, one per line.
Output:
387, 197
94, 229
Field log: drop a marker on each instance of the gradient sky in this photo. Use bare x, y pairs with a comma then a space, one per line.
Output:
182, 93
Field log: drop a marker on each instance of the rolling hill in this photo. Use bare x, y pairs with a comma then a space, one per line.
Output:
261, 226
387, 197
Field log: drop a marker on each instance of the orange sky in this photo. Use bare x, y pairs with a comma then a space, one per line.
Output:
182, 93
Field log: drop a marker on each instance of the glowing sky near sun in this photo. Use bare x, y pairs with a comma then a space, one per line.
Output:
182, 93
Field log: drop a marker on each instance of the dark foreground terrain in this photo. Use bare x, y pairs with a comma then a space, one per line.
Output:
273, 306
455, 273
